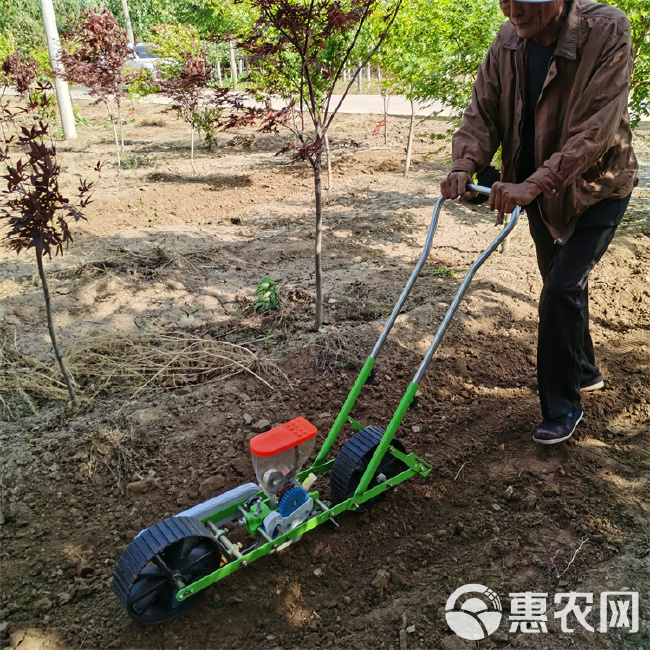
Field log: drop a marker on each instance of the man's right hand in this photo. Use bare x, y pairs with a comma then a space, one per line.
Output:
454, 186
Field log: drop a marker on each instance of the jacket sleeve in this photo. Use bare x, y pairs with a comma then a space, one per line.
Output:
477, 139
598, 110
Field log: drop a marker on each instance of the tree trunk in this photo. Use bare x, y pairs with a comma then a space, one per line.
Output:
329, 162
50, 327
192, 155
219, 77
385, 118
318, 246
119, 119
117, 142
409, 146
295, 126
2, 113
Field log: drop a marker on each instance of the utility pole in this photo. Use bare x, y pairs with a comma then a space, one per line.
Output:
127, 22
60, 85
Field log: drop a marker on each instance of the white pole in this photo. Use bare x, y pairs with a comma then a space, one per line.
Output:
60, 85
127, 22
233, 64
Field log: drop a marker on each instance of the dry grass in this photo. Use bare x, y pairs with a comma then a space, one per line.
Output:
147, 261
112, 451
333, 356
124, 363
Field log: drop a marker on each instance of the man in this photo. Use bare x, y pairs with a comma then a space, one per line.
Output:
553, 93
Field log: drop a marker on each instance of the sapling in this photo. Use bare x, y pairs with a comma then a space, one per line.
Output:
186, 78
299, 49
94, 54
36, 213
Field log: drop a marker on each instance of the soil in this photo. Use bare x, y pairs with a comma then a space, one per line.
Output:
167, 250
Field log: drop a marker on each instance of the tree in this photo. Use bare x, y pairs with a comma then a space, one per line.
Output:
434, 50
298, 49
184, 82
184, 76
94, 52
37, 212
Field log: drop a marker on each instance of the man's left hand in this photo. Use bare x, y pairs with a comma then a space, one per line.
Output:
505, 196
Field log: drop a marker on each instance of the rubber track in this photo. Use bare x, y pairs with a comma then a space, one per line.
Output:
149, 543
351, 459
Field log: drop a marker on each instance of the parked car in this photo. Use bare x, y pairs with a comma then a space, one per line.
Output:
144, 58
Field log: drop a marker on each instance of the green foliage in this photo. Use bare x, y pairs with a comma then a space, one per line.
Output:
266, 295
21, 21
141, 85
7, 45
205, 122
443, 270
172, 40
174, 44
42, 57
638, 12
134, 161
208, 17
45, 102
79, 118
230, 18
434, 49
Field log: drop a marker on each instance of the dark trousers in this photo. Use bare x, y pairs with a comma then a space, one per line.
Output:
565, 352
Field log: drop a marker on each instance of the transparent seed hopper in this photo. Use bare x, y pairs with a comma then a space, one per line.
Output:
279, 454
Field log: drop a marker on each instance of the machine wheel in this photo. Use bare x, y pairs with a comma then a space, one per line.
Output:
146, 576
351, 462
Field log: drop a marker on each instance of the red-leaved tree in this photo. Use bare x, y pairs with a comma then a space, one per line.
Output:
36, 213
93, 53
188, 83
298, 49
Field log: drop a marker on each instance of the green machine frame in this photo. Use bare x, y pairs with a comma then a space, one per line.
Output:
414, 465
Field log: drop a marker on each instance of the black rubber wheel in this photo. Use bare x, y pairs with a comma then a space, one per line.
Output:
353, 459
143, 579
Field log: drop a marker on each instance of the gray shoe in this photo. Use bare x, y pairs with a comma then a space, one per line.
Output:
591, 384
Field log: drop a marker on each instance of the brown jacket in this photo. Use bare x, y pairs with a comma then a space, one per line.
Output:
583, 149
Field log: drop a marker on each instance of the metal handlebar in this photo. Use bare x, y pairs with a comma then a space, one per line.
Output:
461, 291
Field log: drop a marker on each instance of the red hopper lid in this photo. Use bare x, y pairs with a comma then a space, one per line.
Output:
282, 438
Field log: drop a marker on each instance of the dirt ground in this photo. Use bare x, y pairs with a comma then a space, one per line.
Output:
165, 250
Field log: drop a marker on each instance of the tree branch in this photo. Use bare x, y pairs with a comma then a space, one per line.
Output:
372, 53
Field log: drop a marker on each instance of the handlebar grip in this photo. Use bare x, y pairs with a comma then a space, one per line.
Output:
478, 188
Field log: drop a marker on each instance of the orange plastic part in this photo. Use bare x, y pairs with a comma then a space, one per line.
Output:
281, 438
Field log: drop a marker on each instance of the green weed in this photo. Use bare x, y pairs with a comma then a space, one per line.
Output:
134, 161
266, 295
443, 270
79, 119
